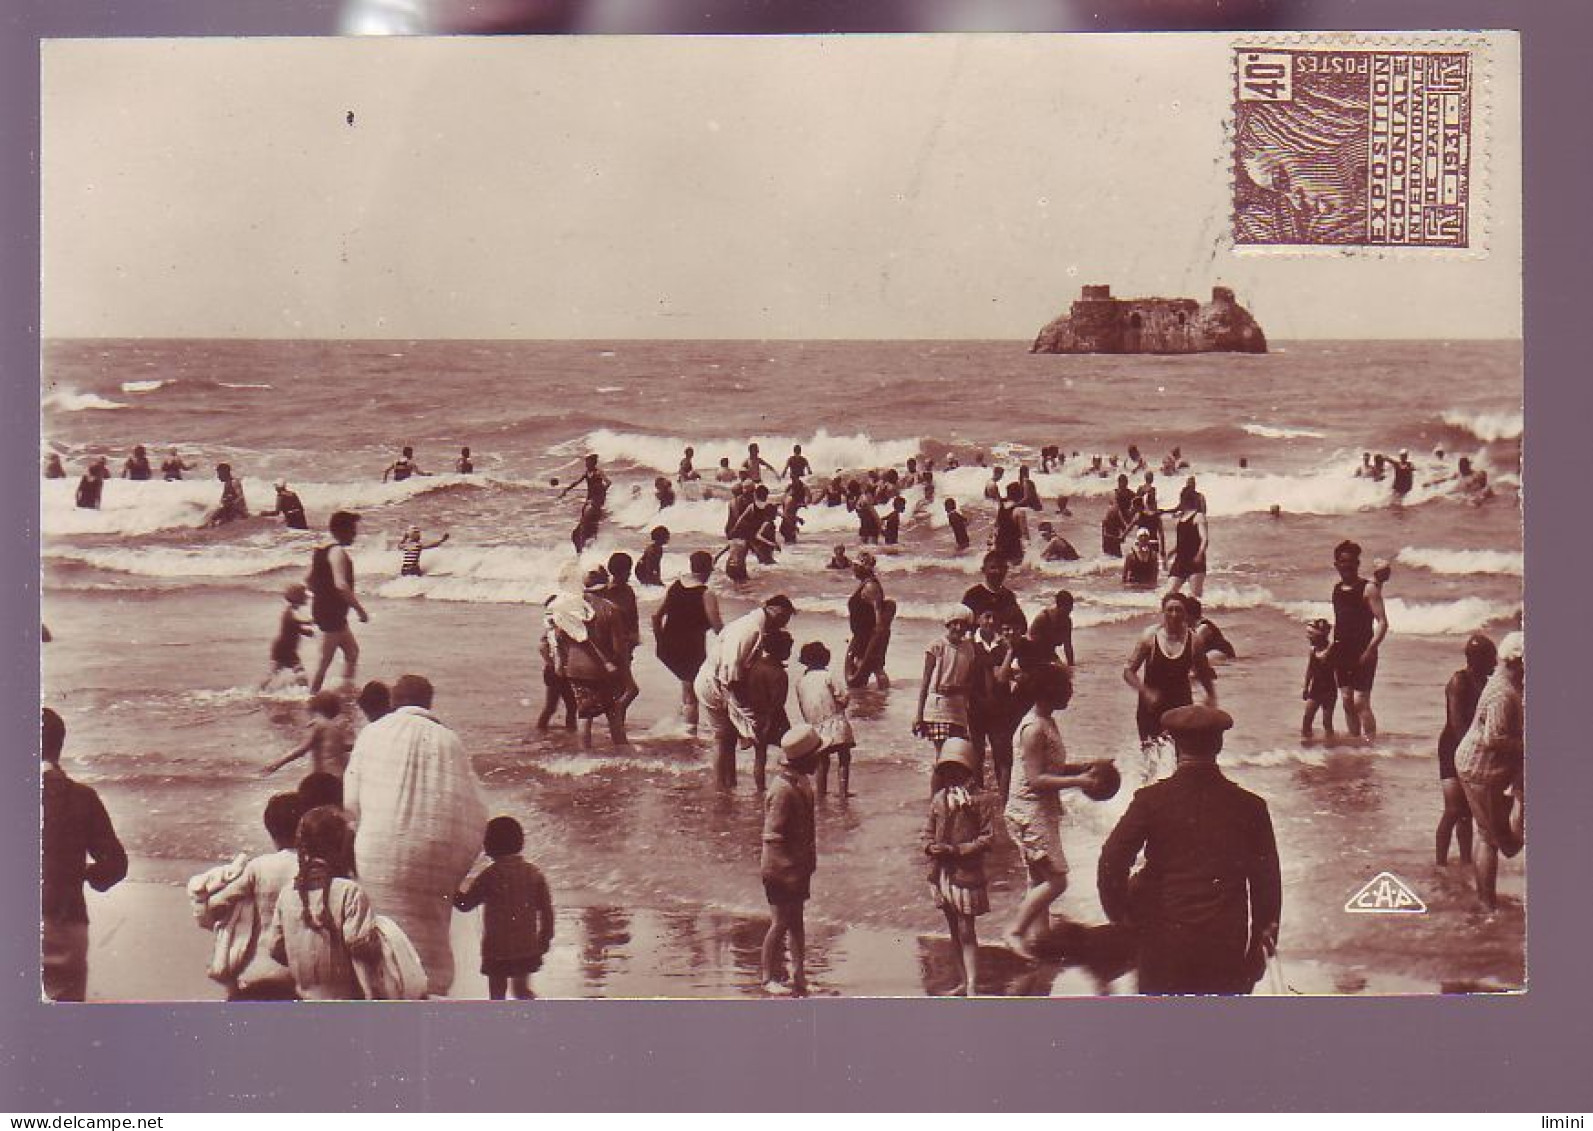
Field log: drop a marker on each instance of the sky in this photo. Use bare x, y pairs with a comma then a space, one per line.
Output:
891, 187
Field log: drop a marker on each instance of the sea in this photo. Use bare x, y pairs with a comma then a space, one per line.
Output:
160, 627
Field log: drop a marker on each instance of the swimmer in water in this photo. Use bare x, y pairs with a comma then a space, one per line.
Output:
650, 569
91, 487
664, 492
839, 560
232, 505
285, 664
796, 465
993, 490
410, 546
289, 507
586, 525
403, 467
1141, 562
686, 472
1056, 547
890, 530
332, 596
53, 468
173, 467
597, 484
752, 467
464, 465
137, 465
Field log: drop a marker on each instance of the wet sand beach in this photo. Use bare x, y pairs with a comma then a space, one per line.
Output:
161, 630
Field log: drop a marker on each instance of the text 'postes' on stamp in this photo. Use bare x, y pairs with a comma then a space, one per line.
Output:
1368, 148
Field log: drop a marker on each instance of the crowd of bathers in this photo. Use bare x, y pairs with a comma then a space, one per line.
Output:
992, 686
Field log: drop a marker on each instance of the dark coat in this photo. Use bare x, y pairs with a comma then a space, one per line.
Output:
1209, 888
971, 829
80, 847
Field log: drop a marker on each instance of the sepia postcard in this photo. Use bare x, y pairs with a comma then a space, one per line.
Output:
750, 517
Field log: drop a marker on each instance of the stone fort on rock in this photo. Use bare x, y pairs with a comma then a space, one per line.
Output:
1099, 323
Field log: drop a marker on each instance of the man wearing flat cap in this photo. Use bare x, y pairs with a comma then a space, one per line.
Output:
1207, 903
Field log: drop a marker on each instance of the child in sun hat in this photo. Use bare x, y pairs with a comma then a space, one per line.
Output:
958, 833
951, 665
790, 857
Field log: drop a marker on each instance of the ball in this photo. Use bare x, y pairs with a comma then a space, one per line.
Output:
1107, 781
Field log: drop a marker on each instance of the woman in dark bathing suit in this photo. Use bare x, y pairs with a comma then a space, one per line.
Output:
869, 615
1190, 537
1010, 530
681, 625
1161, 666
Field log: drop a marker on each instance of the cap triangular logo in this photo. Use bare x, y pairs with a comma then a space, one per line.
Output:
1385, 894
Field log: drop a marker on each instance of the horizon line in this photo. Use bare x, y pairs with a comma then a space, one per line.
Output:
716, 338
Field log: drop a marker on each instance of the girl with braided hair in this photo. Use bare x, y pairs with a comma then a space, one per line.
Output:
324, 921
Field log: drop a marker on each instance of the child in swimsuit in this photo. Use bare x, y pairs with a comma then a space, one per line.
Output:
285, 648
328, 741
410, 545
1320, 687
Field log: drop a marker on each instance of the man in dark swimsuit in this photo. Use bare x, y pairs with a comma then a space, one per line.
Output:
289, 507
796, 465
331, 586
403, 467
596, 483
1404, 476
752, 467
1359, 626
992, 593
137, 465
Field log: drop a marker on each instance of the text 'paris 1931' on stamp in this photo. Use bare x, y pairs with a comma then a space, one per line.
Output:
1353, 148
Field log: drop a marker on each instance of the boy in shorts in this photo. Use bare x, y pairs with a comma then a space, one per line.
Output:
790, 857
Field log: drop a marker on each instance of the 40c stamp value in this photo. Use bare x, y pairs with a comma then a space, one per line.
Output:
1361, 147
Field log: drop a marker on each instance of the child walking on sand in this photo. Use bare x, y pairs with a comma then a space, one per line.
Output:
822, 702
285, 665
960, 830
328, 741
1320, 687
790, 857
518, 920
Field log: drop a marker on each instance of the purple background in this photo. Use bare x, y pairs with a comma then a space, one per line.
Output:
1482, 1053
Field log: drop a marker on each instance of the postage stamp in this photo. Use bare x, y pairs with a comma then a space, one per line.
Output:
1353, 148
